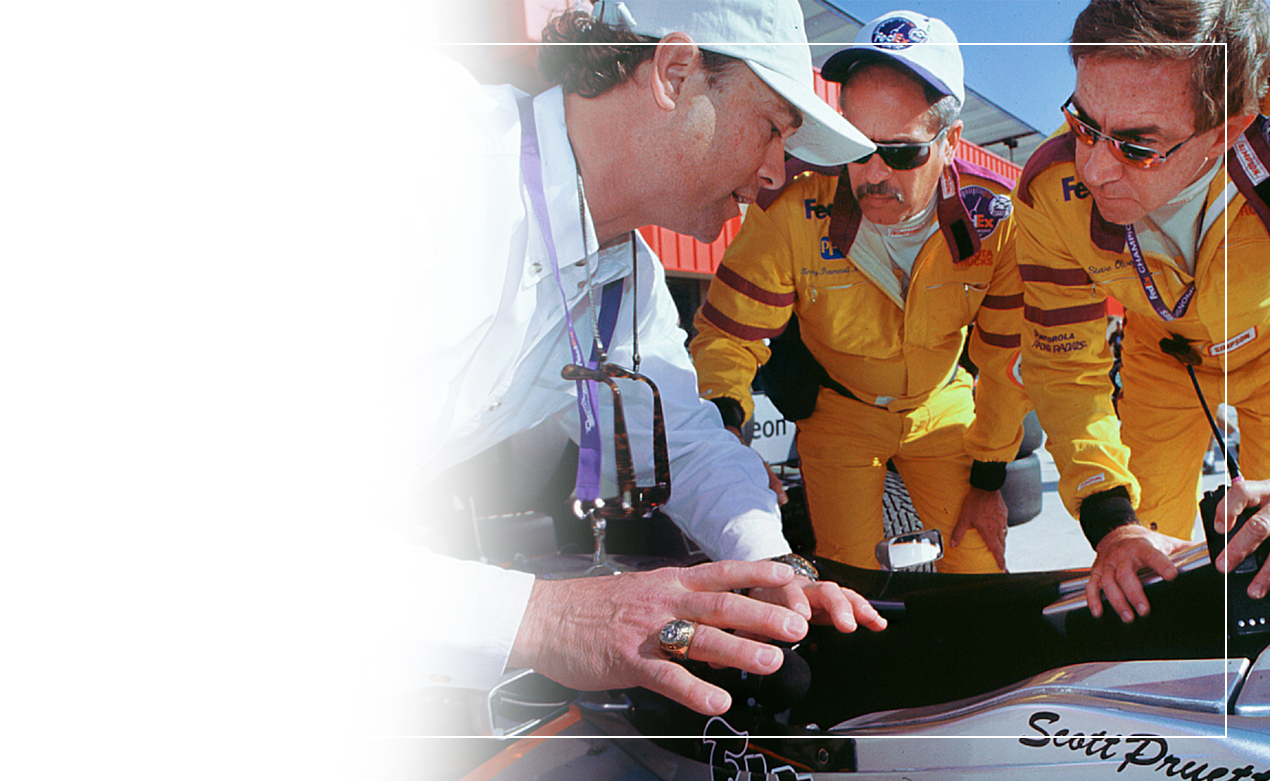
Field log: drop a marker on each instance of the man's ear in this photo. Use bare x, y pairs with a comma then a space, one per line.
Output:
675, 59
1226, 134
947, 148
954, 137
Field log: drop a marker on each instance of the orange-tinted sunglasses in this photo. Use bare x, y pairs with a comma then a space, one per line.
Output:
1127, 152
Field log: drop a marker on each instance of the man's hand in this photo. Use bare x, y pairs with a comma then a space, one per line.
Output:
1242, 495
601, 633
1121, 554
986, 512
773, 481
824, 603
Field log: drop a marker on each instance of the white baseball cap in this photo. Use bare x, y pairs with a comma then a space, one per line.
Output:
923, 43
768, 36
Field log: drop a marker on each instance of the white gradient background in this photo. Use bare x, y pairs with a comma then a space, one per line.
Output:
204, 212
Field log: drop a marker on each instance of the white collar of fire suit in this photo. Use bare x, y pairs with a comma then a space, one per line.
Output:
1176, 229
883, 250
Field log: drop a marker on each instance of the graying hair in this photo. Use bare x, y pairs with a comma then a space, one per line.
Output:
1228, 80
944, 109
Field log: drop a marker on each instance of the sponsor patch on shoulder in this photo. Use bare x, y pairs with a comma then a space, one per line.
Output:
1234, 342
1095, 480
986, 208
1251, 164
947, 184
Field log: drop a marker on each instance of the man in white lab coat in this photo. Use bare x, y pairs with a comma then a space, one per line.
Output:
650, 129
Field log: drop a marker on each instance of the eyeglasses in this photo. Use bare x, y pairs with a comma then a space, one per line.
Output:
1129, 153
903, 157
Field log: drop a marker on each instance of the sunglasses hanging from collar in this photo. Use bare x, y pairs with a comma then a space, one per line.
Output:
633, 500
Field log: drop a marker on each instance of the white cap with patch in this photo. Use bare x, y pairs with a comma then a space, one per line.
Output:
768, 36
922, 43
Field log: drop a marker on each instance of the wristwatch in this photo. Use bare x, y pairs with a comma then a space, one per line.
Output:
801, 566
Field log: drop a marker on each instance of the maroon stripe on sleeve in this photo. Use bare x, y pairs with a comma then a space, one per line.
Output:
998, 340
1066, 316
750, 290
1003, 302
1067, 277
729, 326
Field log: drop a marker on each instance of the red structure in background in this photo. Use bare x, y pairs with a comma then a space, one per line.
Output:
684, 256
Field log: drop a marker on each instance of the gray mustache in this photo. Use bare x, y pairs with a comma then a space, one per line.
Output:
881, 190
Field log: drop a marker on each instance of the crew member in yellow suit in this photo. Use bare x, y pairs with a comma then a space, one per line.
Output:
885, 266
1154, 193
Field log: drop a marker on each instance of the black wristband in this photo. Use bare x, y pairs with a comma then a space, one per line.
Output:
731, 410
1103, 512
987, 475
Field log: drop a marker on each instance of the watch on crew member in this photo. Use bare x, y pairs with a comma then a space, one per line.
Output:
801, 566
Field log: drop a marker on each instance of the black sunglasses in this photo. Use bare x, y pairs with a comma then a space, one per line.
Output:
1136, 155
903, 157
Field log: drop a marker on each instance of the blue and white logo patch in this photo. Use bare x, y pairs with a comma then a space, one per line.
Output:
986, 208
898, 33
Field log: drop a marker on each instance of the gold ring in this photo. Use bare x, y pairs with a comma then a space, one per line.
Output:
675, 638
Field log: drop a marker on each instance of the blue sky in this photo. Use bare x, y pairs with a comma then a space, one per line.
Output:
1028, 81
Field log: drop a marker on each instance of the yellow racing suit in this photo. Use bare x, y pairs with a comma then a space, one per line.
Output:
893, 352
1071, 260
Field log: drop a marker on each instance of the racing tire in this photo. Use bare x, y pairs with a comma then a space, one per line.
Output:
1022, 490
898, 514
1033, 435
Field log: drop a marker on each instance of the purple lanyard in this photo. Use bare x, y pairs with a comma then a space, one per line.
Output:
1148, 285
587, 485
590, 462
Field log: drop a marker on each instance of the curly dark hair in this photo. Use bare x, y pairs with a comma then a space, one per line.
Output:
1137, 27
589, 58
